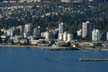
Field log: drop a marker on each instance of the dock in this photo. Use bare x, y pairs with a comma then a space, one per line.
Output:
93, 59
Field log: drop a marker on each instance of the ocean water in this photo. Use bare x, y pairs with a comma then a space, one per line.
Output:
43, 60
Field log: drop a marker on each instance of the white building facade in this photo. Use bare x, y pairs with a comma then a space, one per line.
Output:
87, 30
21, 1
95, 35
66, 1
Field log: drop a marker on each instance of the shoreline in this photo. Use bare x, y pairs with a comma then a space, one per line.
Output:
39, 47
55, 48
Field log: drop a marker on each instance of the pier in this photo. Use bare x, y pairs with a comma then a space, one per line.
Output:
93, 59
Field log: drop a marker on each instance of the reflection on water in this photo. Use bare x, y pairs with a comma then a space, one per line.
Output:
42, 60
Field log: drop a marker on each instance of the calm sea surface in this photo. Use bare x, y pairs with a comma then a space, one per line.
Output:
41, 60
